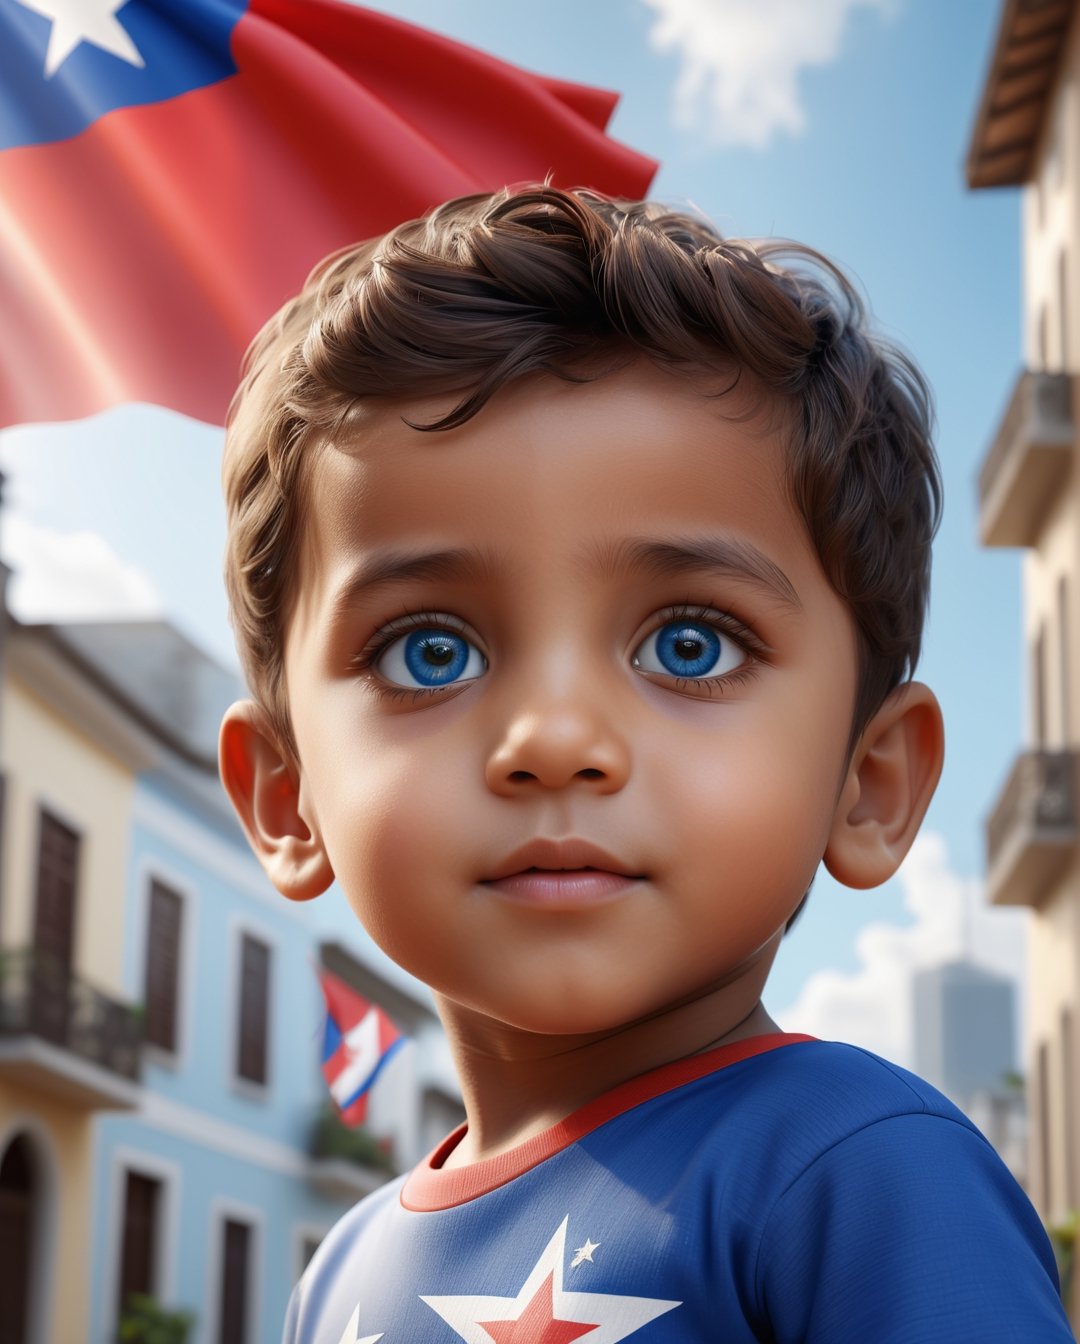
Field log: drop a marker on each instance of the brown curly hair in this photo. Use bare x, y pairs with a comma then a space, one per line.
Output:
486, 289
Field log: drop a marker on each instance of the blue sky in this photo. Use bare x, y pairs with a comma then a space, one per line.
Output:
847, 132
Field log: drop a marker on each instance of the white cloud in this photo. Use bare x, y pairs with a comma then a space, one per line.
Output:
872, 1006
70, 576
741, 60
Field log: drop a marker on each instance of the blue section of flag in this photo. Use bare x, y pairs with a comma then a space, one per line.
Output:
184, 45
369, 1081
331, 1038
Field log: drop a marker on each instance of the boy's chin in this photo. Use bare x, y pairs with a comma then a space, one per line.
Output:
581, 1016
560, 1015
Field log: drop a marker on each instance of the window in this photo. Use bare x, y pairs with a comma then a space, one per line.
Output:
235, 1282
251, 1045
3, 823
138, 1247
1055, 168
162, 987
1042, 1081
1038, 689
20, 1195
1071, 1192
54, 905
1063, 312
1063, 657
308, 1247
50, 1002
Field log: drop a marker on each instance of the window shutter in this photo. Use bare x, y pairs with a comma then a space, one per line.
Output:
141, 1199
54, 908
254, 1007
232, 1327
163, 966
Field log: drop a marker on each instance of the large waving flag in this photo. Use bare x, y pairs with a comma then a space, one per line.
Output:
170, 170
358, 1040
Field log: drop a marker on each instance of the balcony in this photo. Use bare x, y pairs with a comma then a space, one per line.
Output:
347, 1163
1031, 833
61, 1037
1029, 461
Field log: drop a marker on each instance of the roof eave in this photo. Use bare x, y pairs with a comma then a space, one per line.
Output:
1032, 36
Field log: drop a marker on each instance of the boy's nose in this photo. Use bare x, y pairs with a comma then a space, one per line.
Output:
551, 747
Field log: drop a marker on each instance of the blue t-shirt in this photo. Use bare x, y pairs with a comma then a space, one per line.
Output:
781, 1189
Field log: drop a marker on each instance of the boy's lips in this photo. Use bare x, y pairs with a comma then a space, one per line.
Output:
560, 875
561, 889
548, 858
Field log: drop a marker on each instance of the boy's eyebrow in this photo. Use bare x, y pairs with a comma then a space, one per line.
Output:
390, 567
726, 556
659, 556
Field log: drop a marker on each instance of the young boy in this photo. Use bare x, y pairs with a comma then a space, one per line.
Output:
578, 560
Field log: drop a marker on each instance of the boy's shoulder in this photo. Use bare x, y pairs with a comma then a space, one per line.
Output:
811, 1097
836, 1083
768, 1111
818, 1090
758, 1121
781, 1186
811, 1064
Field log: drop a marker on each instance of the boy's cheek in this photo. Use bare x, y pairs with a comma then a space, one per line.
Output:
394, 825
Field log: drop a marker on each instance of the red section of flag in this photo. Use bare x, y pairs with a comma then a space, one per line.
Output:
358, 1039
139, 258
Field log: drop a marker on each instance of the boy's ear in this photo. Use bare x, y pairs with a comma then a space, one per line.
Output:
887, 788
269, 800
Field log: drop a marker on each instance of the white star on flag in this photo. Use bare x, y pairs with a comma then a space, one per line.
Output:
584, 1253
76, 21
352, 1331
543, 1312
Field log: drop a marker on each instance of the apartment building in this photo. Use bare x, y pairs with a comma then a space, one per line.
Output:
965, 1044
69, 1035
1027, 135
164, 1126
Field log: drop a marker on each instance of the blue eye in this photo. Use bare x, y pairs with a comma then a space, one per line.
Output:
430, 656
689, 649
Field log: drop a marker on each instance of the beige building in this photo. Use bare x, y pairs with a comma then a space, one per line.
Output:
69, 1043
1027, 134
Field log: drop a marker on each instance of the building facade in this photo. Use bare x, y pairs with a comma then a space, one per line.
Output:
1027, 135
965, 1044
965, 1036
69, 1038
205, 1176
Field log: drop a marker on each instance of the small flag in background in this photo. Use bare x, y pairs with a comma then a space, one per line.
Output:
358, 1039
171, 170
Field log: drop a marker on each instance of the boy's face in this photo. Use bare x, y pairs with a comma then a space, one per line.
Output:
639, 650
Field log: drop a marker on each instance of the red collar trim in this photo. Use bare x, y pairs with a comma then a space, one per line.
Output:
430, 1186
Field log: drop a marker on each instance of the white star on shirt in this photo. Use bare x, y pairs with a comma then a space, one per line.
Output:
584, 1253
76, 21
544, 1309
351, 1335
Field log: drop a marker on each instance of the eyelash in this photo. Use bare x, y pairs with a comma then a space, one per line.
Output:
363, 662
756, 649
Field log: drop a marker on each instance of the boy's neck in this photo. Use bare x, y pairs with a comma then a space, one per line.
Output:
517, 1084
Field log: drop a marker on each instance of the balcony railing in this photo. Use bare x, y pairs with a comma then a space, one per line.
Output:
61, 1034
347, 1163
1032, 832
1029, 461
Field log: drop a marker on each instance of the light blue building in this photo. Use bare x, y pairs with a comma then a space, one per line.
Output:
213, 1192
